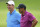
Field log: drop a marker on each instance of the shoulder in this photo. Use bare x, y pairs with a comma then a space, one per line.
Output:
17, 13
29, 14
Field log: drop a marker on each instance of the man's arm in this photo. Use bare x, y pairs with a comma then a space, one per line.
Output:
18, 16
34, 23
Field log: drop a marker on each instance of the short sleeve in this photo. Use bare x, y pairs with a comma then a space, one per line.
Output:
31, 17
18, 16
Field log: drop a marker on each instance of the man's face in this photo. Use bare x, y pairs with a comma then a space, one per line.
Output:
21, 10
10, 7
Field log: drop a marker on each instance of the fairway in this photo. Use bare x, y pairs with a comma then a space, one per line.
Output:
33, 6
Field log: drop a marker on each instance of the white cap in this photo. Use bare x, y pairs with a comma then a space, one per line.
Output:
10, 2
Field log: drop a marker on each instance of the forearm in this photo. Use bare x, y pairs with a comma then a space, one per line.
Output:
34, 23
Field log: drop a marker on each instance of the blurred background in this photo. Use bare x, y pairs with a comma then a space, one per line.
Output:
33, 6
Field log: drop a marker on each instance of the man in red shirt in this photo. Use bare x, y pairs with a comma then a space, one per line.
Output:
27, 19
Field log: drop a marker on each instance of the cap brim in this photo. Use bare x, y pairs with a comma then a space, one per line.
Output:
6, 3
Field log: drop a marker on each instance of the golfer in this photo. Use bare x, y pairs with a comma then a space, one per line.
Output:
13, 17
27, 19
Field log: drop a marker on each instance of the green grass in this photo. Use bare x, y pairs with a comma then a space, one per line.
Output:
33, 6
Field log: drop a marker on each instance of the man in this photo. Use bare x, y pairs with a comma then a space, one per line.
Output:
27, 19
13, 17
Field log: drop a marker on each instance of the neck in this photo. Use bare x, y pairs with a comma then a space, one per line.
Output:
23, 12
11, 11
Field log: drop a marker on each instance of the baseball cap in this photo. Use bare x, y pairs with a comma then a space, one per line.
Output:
21, 6
10, 2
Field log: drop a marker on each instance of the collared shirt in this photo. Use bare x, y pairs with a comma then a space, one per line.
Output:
13, 19
26, 19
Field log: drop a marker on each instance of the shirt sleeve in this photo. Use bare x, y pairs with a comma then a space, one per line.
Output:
18, 17
7, 15
31, 17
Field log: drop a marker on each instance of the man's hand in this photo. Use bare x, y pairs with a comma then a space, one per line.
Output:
34, 22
